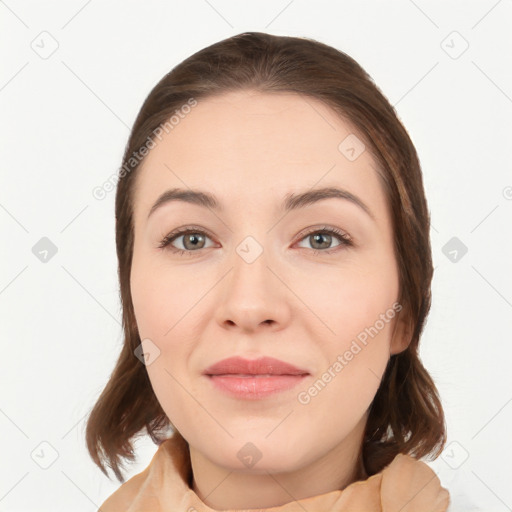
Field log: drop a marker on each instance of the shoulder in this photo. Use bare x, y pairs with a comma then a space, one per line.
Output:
123, 497
410, 484
169, 464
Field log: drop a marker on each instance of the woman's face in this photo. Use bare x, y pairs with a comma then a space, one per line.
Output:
257, 279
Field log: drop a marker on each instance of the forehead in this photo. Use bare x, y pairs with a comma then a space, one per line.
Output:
243, 120
257, 145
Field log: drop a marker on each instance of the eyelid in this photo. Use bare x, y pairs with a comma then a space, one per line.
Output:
344, 238
166, 241
324, 228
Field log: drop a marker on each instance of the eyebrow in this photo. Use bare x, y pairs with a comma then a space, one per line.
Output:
291, 201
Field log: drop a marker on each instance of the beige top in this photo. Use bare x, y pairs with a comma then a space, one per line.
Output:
405, 485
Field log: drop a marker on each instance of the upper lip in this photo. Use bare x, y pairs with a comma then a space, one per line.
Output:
263, 365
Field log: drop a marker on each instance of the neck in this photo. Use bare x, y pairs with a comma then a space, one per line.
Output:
224, 489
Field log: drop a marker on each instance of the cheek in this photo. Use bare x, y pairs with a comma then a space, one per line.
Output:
347, 299
161, 298
355, 308
342, 394
163, 303
354, 361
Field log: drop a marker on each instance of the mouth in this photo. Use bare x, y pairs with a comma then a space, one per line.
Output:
254, 387
262, 366
254, 379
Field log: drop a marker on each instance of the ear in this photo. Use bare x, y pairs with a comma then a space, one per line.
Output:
402, 332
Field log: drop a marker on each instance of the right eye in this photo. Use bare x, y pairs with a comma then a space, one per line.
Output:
193, 240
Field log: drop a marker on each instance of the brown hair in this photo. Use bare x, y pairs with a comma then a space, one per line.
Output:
406, 415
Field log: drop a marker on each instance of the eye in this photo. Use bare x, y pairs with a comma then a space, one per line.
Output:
193, 240
322, 239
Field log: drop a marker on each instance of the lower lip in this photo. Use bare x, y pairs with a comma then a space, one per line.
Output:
254, 388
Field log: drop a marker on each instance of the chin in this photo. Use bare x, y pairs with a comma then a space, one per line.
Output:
257, 451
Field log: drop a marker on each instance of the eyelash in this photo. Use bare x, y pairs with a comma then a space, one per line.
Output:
344, 239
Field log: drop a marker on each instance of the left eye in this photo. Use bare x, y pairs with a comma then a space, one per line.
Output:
194, 240
323, 239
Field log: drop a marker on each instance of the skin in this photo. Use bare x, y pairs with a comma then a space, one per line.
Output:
250, 149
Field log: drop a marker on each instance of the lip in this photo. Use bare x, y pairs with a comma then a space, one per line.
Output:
254, 378
261, 366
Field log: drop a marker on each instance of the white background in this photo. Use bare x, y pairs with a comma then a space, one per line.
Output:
65, 122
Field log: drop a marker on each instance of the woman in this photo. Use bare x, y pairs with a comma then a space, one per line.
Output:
275, 268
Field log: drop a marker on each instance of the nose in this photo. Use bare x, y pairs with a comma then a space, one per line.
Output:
252, 296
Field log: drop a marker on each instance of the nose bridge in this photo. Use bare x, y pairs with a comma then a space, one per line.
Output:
250, 241
249, 261
251, 294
